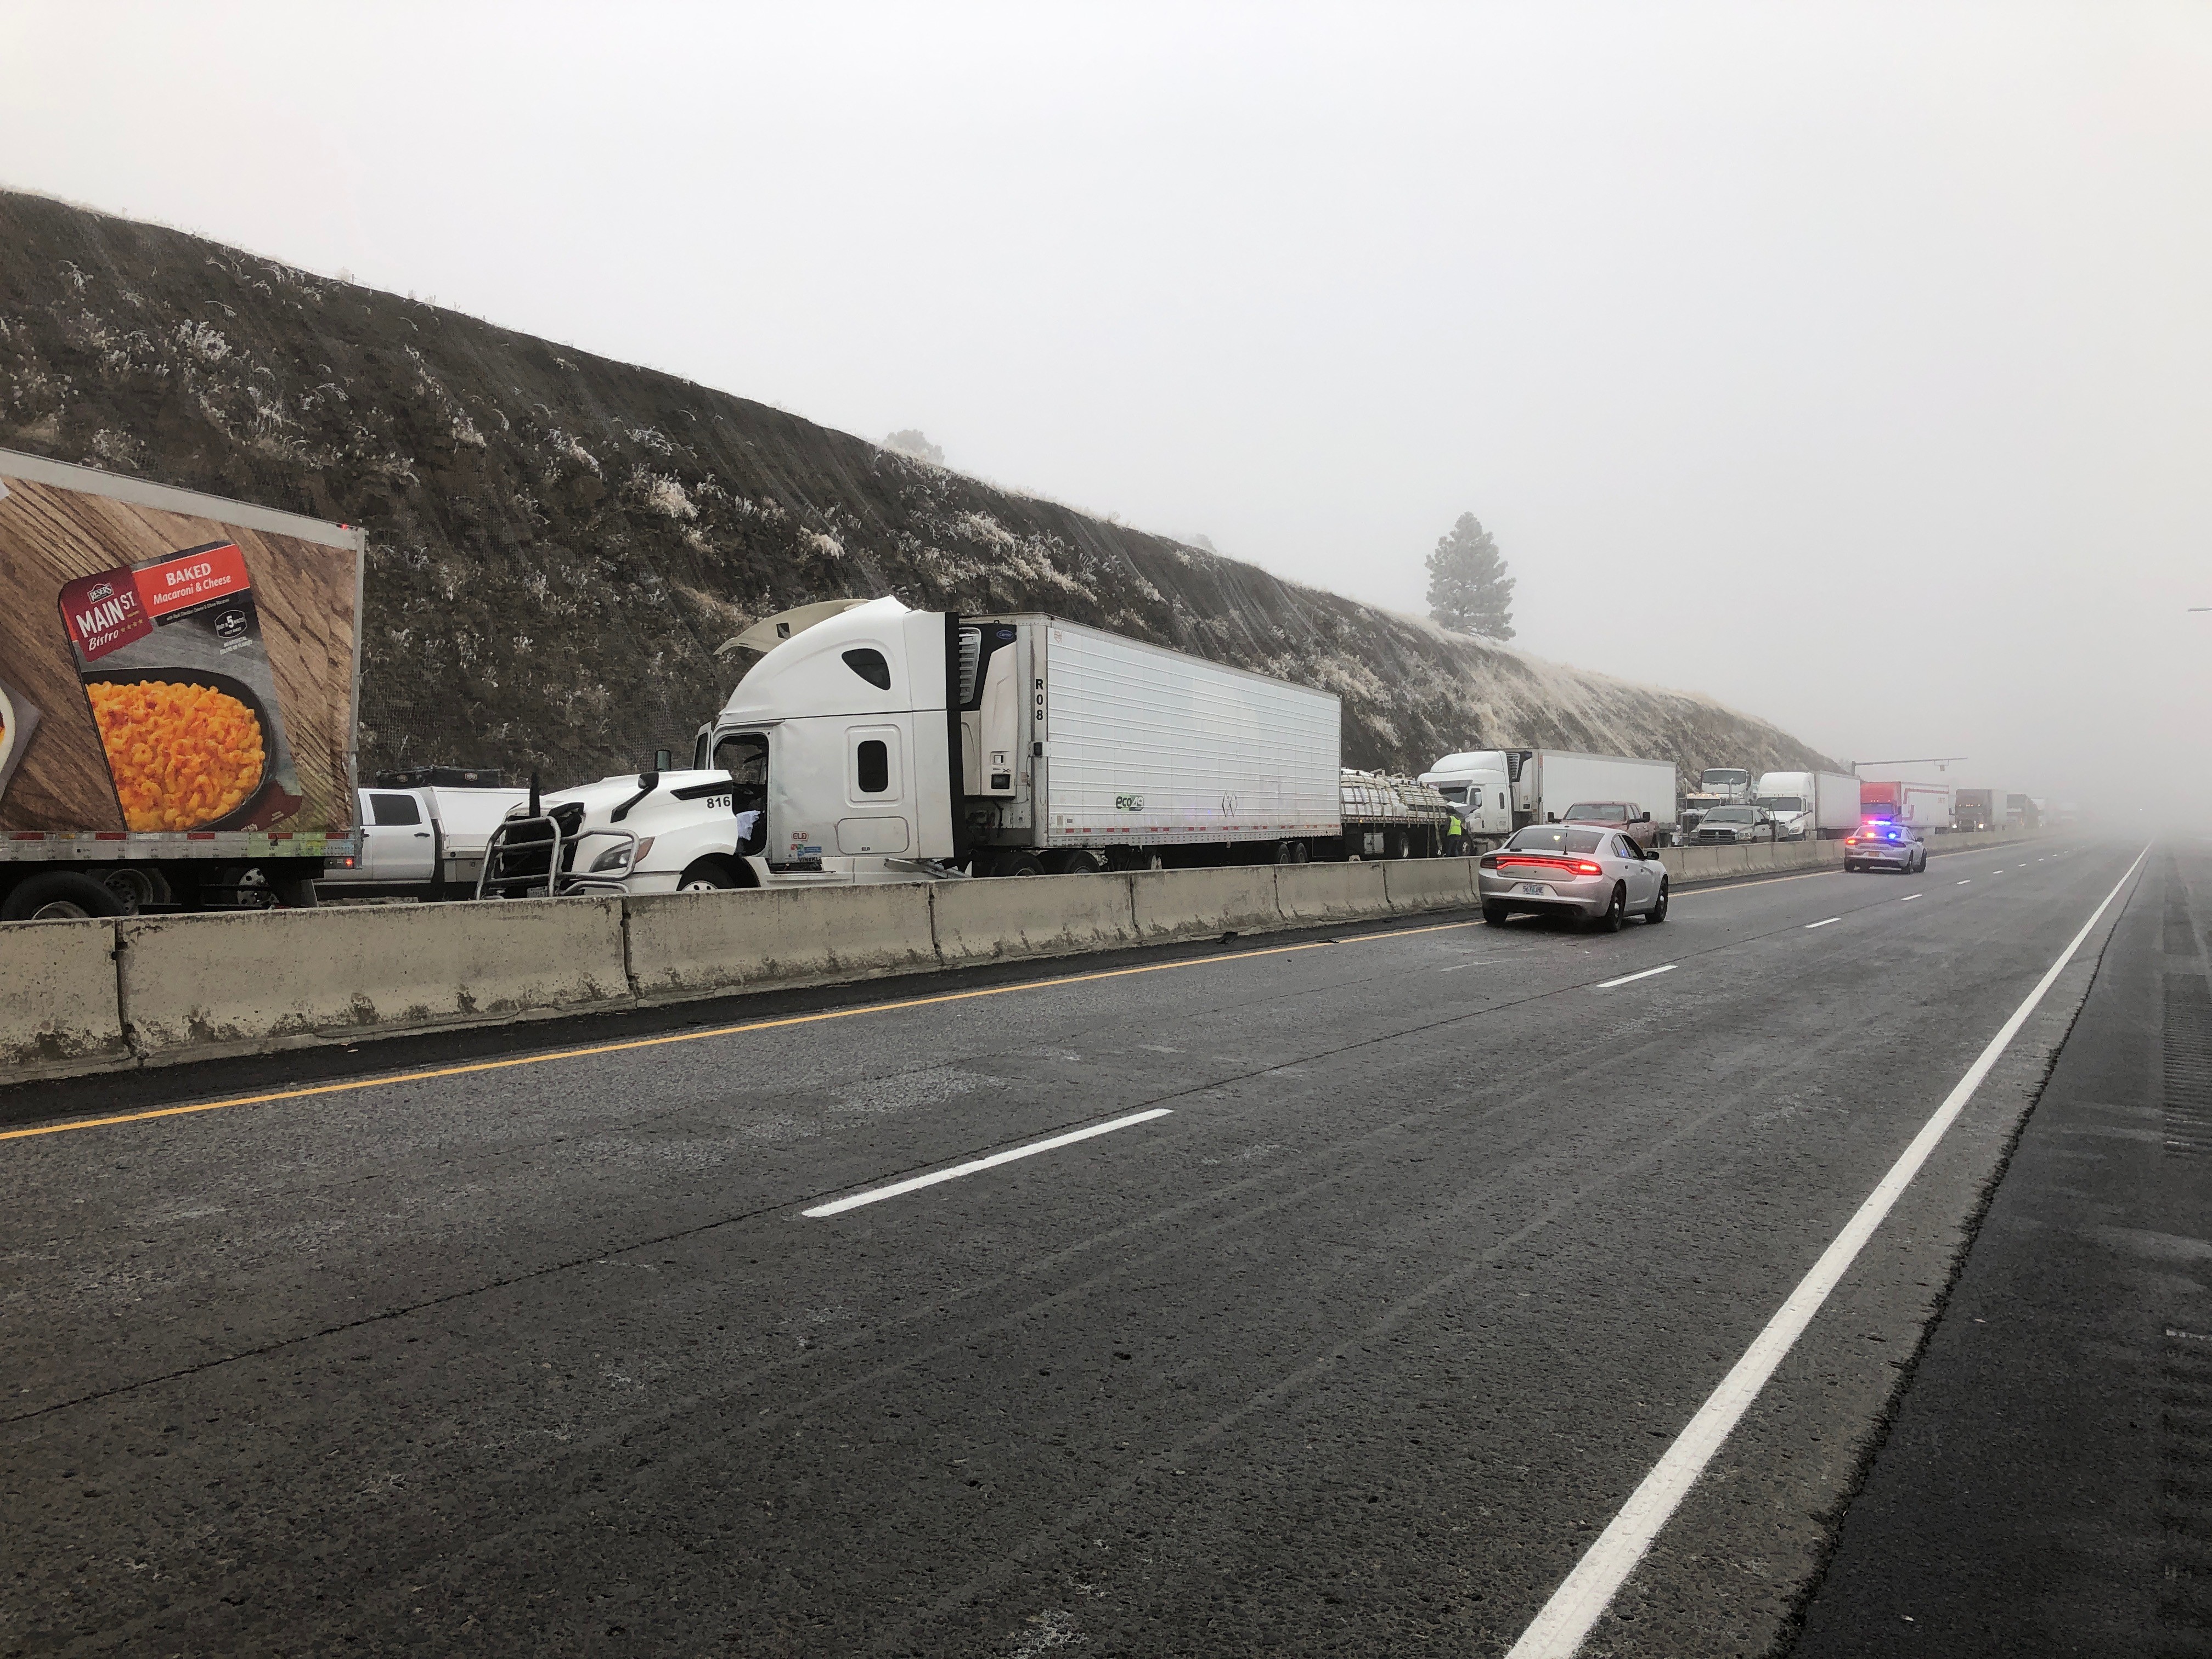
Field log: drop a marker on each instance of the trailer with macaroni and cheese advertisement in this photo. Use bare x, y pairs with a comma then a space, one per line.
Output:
178, 688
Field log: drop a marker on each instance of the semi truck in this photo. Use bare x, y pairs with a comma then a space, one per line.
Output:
1926, 806
1498, 791
1809, 805
872, 743
1979, 809
178, 679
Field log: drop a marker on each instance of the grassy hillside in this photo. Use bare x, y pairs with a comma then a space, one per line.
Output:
557, 541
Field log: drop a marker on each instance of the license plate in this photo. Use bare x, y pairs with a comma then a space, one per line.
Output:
1534, 889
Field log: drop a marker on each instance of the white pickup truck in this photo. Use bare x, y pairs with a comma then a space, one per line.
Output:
426, 842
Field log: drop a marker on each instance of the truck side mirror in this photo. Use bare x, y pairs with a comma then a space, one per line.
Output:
664, 760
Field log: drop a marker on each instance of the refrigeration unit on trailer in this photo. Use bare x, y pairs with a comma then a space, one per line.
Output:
178, 679
1809, 805
1500, 790
876, 744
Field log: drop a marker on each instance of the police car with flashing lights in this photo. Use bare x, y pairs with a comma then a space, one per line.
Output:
1886, 844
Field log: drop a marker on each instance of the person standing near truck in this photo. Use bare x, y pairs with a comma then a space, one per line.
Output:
1455, 836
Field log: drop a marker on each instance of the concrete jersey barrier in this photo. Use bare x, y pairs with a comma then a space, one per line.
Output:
1171, 904
58, 1011
211, 984
1004, 918
694, 945
86, 996
1331, 892
1416, 885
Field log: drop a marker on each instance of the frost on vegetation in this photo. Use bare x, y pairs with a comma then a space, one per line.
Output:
563, 443
464, 431
827, 545
983, 527
118, 449
203, 340
647, 438
661, 494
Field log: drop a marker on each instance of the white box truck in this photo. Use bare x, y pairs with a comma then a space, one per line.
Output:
1498, 791
1809, 805
1925, 806
876, 744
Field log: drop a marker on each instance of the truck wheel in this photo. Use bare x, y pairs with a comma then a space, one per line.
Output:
1495, 914
707, 875
135, 886
1017, 864
59, 896
1082, 861
1292, 852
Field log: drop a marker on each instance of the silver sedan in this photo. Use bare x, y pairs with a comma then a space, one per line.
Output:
1575, 870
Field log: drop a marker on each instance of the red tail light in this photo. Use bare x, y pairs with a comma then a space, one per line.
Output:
1544, 862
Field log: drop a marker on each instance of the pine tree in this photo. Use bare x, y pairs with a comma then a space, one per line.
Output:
1469, 591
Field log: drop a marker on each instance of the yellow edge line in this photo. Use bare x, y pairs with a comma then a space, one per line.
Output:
353, 1084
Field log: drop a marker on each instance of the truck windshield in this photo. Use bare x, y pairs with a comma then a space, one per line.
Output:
1731, 815
1595, 812
1782, 802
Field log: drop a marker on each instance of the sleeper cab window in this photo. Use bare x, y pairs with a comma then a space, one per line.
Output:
868, 662
873, 763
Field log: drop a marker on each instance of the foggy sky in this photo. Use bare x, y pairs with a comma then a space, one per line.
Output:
1851, 363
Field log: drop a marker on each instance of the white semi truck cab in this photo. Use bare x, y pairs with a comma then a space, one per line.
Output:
876, 744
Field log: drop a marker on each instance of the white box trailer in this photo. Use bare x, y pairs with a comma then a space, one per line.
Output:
1082, 738
178, 685
1500, 790
1810, 805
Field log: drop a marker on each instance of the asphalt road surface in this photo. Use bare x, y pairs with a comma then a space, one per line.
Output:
2047, 1485
1419, 1247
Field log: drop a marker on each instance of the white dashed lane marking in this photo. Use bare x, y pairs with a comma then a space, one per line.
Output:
1646, 974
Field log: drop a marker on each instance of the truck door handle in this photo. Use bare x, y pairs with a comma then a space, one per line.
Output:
422, 835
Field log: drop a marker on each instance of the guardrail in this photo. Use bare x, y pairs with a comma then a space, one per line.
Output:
83, 997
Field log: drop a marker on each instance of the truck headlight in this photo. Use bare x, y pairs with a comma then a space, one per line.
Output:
618, 858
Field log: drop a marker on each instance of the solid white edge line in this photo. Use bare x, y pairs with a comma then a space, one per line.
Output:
1646, 974
1823, 924
877, 1194
1559, 1627
1968, 882
1908, 898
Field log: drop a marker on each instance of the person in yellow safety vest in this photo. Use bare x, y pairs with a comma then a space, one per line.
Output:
1454, 833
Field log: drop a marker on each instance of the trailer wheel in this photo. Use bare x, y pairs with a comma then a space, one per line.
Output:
1017, 864
59, 896
136, 886
1080, 861
1292, 852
